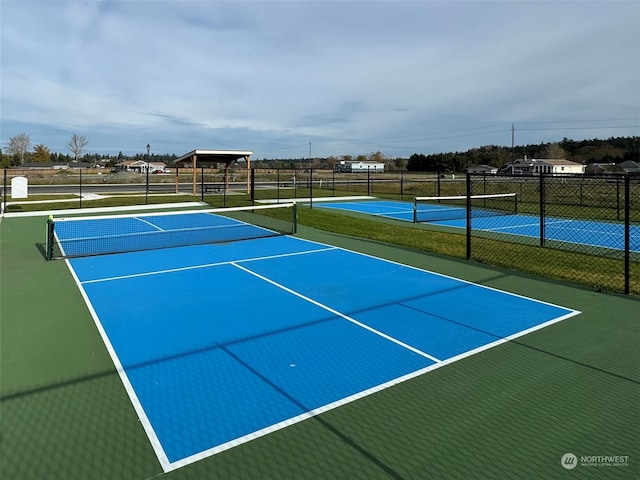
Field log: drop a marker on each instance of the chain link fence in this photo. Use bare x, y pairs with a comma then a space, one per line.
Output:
214, 185
313, 183
590, 226
587, 224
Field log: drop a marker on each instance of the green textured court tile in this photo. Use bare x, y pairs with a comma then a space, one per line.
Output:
508, 412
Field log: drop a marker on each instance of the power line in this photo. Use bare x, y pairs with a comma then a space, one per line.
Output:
578, 128
603, 120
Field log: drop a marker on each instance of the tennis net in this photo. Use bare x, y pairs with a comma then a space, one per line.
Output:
433, 209
99, 235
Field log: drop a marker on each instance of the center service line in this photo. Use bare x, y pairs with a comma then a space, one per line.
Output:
339, 314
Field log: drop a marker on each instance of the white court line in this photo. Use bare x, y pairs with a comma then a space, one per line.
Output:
442, 275
206, 265
324, 408
535, 223
161, 207
521, 225
339, 314
398, 212
316, 199
613, 236
153, 225
135, 401
511, 227
148, 233
343, 401
168, 466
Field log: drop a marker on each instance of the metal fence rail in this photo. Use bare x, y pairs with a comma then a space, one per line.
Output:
583, 203
592, 225
281, 183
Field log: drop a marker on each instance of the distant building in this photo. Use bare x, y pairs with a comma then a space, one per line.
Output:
482, 169
536, 166
55, 165
350, 167
140, 166
628, 166
602, 169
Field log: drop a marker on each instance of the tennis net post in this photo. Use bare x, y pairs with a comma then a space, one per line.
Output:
295, 218
49, 239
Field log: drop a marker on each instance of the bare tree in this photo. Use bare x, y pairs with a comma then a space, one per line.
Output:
555, 151
19, 145
376, 157
76, 145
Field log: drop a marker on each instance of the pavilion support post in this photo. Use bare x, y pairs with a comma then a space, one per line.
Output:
177, 178
195, 174
248, 160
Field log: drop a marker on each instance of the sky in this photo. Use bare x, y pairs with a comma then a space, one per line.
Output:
300, 79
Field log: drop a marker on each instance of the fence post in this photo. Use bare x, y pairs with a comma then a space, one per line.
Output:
225, 185
521, 182
627, 233
618, 196
3, 205
252, 183
80, 187
542, 206
146, 185
333, 182
311, 188
468, 253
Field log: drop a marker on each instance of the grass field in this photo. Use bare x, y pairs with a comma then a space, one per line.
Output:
577, 267
509, 412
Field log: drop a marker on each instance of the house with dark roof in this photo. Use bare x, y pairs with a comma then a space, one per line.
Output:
55, 165
482, 169
628, 166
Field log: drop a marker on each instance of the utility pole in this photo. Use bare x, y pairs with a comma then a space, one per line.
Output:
513, 134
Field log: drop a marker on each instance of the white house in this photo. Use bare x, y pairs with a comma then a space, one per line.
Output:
140, 166
349, 167
536, 166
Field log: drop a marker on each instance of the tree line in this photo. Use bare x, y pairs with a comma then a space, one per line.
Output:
612, 150
17, 152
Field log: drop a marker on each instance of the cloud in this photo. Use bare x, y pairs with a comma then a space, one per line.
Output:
350, 77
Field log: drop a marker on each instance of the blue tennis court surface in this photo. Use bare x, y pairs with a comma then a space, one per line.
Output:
219, 344
599, 234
